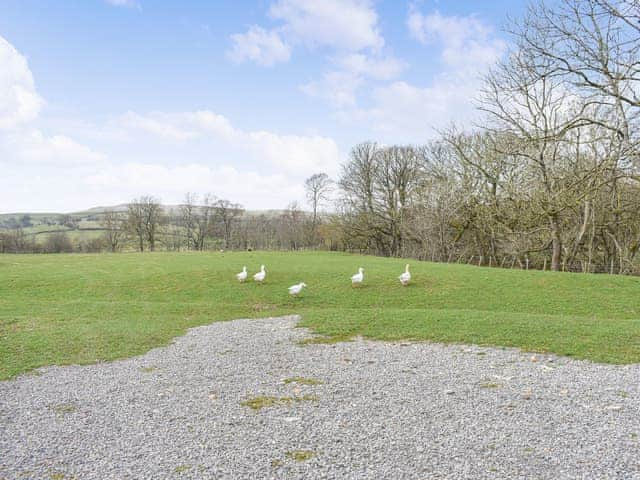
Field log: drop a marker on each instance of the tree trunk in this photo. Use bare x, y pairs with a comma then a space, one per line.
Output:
556, 244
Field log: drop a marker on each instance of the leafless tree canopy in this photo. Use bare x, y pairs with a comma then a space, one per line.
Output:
550, 176
197, 219
144, 217
317, 188
227, 213
115, 229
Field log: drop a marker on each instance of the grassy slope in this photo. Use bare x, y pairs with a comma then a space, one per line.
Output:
57, 309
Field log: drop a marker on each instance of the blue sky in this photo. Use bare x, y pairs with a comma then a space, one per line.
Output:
105, 100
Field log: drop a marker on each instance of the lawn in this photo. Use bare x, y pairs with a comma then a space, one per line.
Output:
61, 309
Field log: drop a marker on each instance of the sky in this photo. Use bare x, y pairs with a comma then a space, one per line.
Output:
102, 101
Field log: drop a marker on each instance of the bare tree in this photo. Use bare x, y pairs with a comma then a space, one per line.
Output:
378, 186
227, 213
317, 187
115, 226
135, 222
188, 217
357, 185
203, 221
535, 112
291, 226
595, 45
153, 217
144, 216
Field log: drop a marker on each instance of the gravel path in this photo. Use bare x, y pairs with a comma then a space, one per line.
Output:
360, 410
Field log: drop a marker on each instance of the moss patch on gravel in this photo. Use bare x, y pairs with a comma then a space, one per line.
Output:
64, 408
260, 402
490, 385
300, 455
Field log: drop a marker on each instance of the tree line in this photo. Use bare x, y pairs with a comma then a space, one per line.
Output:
549, 179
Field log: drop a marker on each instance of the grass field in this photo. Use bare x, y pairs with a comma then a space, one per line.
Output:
61, 309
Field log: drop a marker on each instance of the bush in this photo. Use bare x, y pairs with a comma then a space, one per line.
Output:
58, 243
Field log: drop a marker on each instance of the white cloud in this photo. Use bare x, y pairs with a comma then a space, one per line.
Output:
349, 25
301, 155
20, 105
246, 187
19, 101
155, 126
338, 87
297, 155
36, 188
342, 25
33, 147
160, 153
261, 46
378, 67
348, 28
124, 3
181, 126
407, 113
467, 42
402, 112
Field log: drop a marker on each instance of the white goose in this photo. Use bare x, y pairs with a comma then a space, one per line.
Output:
260, 276
405, 278
296, 289
242, 276
358, 277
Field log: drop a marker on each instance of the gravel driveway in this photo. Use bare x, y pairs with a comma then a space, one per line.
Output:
246, 400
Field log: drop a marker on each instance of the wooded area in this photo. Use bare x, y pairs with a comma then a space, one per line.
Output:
550, 179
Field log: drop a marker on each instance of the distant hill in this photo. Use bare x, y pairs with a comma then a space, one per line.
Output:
172, 209
82, 226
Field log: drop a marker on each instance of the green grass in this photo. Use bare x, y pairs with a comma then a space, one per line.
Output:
61, 309
303, 381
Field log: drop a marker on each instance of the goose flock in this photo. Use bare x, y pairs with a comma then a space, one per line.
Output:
295, 290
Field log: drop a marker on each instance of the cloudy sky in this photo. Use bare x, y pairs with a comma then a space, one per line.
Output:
105, 100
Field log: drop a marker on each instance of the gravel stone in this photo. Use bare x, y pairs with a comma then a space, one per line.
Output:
382, 410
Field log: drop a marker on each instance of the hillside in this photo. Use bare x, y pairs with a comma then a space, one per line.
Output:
84, 226
61, 309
